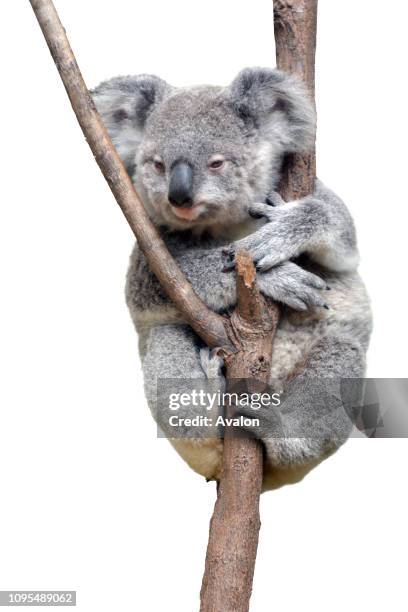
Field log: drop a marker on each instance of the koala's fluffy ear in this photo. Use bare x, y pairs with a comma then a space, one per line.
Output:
124, 104
277, 105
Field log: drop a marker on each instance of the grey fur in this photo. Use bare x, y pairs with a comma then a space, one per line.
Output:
300, 248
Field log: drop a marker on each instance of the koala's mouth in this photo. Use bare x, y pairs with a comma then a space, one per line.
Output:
190, 213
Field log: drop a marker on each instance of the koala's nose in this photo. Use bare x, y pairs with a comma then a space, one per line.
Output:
181, 185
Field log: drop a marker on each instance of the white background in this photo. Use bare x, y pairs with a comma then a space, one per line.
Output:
90, 499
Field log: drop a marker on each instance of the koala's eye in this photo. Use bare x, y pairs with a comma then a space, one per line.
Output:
216, 163
158, 166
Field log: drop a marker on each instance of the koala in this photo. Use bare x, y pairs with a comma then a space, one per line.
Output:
206, 162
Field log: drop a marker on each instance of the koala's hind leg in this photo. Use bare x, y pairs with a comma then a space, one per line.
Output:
176, 362
311, 422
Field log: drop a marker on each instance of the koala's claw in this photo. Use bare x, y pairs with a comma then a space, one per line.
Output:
269, 201
266, 209
229, 266
228, 254
261, 209
254, 214
275, 199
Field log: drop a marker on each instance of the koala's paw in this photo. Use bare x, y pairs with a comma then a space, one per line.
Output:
279, 240
289, 284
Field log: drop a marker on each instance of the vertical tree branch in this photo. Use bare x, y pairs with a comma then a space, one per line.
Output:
234, 529
295, 25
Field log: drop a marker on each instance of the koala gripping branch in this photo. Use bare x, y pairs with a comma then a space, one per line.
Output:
246, 338
234, 528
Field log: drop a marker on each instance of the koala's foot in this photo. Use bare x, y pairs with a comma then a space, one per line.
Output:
211, 363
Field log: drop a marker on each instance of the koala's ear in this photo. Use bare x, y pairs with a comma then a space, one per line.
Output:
124, 104
277, 105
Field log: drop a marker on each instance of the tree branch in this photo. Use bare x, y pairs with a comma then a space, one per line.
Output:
234, 528
247, 337
295, 25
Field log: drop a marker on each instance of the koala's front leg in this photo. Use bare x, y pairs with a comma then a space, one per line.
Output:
204, 270
175, 364
287, 283
319, 225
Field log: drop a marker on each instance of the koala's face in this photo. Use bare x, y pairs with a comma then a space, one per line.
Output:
200, 156
195, 165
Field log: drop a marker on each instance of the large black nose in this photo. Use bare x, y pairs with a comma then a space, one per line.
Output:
181, 184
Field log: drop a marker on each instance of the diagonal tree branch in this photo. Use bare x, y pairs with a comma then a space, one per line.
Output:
246, 341
204, 321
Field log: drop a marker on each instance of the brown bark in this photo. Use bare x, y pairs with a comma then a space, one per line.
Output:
295, 40
234, 528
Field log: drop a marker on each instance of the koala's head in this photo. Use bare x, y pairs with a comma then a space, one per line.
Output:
199, 156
